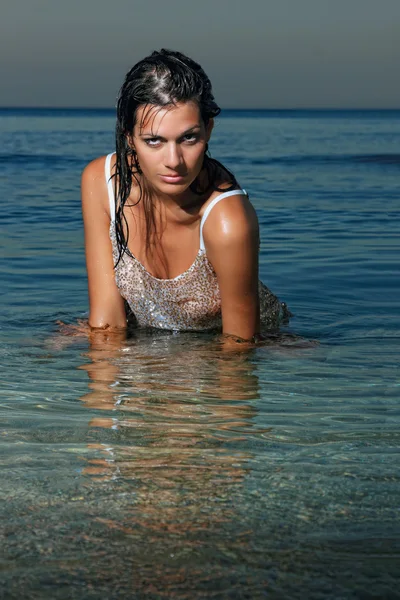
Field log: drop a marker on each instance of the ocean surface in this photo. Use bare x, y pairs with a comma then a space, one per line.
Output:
160, 466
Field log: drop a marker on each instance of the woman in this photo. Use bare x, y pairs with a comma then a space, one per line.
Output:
168, 231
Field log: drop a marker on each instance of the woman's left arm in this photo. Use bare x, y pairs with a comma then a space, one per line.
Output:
231, 237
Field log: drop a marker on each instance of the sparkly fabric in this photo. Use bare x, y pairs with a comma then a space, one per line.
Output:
191, 301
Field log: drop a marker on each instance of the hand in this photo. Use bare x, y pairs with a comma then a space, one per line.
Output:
81, 329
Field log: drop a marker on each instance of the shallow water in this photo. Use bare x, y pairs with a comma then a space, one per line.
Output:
159, 466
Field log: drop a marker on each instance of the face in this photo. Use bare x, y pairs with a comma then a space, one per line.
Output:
170, 144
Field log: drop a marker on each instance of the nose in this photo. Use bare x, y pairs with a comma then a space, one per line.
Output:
173, 157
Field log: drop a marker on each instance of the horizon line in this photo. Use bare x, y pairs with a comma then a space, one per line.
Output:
271, 109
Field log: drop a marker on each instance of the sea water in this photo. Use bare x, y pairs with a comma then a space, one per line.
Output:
159, 466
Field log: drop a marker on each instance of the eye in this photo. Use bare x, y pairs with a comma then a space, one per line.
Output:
190, 138
153, 142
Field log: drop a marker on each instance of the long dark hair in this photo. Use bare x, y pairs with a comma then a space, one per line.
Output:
161, 79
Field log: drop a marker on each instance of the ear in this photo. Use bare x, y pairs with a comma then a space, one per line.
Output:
209, 129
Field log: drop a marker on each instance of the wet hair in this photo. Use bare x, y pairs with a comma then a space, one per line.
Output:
164, 78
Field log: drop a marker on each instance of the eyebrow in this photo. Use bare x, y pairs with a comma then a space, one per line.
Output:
150, 135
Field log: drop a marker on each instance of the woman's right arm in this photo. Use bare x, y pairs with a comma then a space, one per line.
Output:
107, 308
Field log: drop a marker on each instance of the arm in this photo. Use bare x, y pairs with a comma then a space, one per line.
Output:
105, 346
106, 304
231, 237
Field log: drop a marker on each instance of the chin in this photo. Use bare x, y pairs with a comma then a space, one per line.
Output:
173, 189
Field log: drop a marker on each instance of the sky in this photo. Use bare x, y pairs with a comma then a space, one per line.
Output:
257, 53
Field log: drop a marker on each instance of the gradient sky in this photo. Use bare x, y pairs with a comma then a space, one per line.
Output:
258, 53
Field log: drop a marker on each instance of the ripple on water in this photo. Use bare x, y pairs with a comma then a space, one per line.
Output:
162, 467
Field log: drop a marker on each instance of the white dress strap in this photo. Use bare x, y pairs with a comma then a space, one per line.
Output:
110, 185
211, 206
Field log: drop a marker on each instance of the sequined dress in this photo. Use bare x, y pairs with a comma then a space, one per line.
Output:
189, 302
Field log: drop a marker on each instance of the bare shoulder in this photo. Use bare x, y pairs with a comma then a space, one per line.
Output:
94, 185
232, 219
95, 170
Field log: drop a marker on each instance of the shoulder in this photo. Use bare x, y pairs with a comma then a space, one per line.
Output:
231, 219
94, 184
95, 170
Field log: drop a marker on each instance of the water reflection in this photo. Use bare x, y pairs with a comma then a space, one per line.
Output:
180, 412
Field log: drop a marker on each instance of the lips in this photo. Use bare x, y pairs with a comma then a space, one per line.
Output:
172, 178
